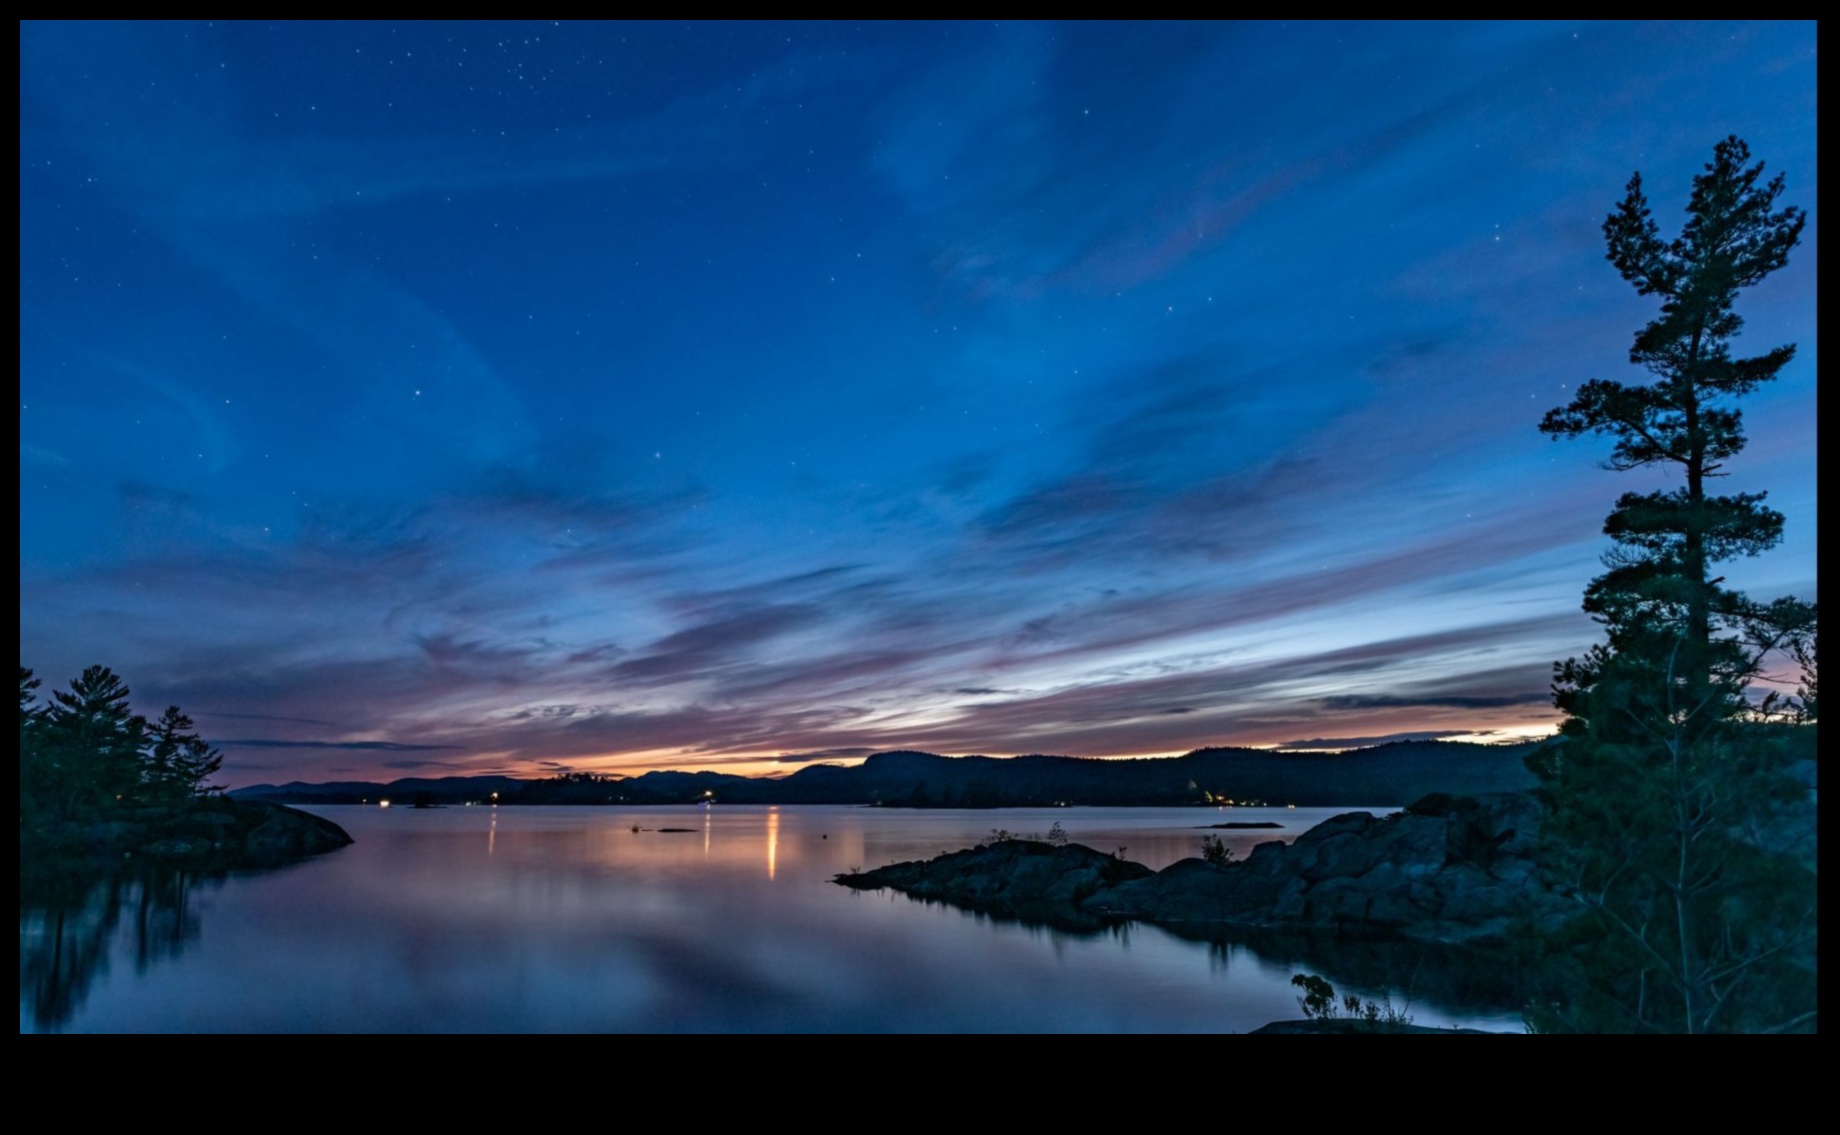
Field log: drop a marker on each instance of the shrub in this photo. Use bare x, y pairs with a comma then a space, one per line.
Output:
1215, 851
1319, 1003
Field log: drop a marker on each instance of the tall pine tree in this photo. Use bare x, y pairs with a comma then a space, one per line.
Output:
1666, 801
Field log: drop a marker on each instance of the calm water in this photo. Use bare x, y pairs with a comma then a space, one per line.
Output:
565, 919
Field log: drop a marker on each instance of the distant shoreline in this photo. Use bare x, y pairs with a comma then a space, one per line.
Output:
1209, 777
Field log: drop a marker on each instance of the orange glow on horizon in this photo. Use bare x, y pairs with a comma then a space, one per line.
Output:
1509, 726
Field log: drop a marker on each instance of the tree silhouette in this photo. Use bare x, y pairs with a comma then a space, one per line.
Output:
178, 763
88, 750
92, 741
1667, 803
28, 698
1658, 587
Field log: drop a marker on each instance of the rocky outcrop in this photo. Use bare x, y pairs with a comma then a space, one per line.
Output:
217, 832
1017, 878
1447, 869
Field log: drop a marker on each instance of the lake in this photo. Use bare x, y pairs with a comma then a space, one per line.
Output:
568, 920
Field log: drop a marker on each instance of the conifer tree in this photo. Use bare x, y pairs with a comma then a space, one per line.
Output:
178, 762
1663, 783
93, 741
31, 764
28, 696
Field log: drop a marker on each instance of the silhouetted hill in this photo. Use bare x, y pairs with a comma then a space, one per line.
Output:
1382, 775
439, 790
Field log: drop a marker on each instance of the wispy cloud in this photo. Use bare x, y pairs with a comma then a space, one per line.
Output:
1101, 390
1374, 739
358, 746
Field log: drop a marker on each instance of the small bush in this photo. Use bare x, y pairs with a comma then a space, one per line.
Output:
1215, 850
1055, 835
1319, 1003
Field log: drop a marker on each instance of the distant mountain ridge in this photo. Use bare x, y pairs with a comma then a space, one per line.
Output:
1395, 773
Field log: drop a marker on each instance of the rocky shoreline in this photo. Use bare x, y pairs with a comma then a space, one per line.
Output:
1455, 870
1357, 1028
214, 832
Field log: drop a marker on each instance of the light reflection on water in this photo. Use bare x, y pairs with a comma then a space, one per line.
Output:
567, 919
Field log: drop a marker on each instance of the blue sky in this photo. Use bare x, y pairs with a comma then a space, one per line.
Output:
512, 397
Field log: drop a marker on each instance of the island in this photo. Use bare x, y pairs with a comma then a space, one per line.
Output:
212, 832
100, 785
1446, 869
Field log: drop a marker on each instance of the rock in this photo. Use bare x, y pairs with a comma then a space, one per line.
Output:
1355, 872
1447, 869
215, 832
1014, 877
1409, 902
287, 833
1190, 891
1343, 1027
175, 849
1337, 846
1337, 901
1291, 904
1267, 858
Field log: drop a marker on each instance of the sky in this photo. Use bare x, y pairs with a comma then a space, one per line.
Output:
427, 399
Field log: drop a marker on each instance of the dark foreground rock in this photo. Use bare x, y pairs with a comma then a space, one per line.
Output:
1448, 869
218, 832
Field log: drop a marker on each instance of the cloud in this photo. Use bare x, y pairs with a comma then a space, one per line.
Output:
360, 746
214, 713
1448, 701
716, 643
1166, 412
970, 129
1376, 739
848, 753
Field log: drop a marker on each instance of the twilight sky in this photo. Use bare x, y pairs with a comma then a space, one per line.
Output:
510, 397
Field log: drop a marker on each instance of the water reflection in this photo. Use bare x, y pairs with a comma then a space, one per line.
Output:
72, 921
610, 919
772, 841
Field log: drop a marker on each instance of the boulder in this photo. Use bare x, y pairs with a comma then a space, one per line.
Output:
287, 833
